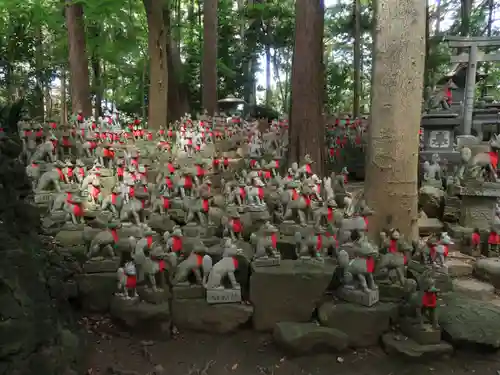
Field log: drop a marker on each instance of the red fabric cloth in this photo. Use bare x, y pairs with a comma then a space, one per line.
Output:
429, 299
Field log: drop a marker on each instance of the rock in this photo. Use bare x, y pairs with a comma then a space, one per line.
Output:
101, 265
452, 205
161, 224
397, 343
431, 199
68, 238
471, 321
309, 338
488, 269
96, 290
197, 315
426, 226
475, 289
458, 268
364, 325
289, 292
145, 319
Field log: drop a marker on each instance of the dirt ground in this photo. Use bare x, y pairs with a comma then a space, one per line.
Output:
251, 353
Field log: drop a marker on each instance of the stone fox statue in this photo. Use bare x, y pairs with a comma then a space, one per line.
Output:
358, 272
231, 262
485, 164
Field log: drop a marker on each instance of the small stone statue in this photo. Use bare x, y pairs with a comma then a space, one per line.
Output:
127, 281
493, 242
358, 281
433, 173
475, 243
233, 227
424, 301
395, 254
226, 267
310, 246
484, 165
104, 241
265, 242
440, 251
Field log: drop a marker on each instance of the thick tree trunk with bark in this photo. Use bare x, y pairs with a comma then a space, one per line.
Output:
209, 66
78, 64
178, 102
64, 105
158, 71
40, 86
307, 129
391, 171
356, 12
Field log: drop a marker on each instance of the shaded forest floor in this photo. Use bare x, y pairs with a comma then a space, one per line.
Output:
251, 353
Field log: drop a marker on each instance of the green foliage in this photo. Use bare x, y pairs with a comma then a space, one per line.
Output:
34, 49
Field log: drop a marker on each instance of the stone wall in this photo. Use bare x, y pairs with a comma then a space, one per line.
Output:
37, 330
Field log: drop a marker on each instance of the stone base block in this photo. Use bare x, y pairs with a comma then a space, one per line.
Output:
96, 290
188, 292
363, 325
216, 296
267, 262
154, 297
394, 343
309, 338
101, 265
358, 296
145, 319
425, 335
389, 292
198, 315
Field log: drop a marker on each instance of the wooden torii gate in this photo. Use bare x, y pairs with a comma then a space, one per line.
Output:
472, 57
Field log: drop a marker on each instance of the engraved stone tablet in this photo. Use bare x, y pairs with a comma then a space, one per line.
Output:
223, 296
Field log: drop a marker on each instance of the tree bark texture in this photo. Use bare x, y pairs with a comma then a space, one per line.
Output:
158, 72
78, 63
357, 58
209, 66
391, 173
307, 131
178, 102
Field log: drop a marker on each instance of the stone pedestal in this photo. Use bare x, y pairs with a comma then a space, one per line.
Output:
425, 335
358, 296
215, 296
478, 204
188, 291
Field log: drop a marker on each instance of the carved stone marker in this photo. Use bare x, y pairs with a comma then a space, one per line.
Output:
478, 204
43, 198
215, 296
267, 262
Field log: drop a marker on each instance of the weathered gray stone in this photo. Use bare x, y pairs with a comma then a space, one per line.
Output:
157, 297
161, 223
451, 212
188, 292
475, 289
289, 292
458, 267
145, 319
101, 265
308, 338
428, 225
198, 315
96, 290
431, 199
67, 238
488, 269
399, 344
364, 325
471, 321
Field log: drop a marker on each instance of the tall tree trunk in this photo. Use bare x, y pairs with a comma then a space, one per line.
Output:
209, 66
391, 172
64, 100
306, 121
268, 75
78, 65
39, 89
96, 68
357, 58
465, 13
178, 103
489, 27
144, 105
158, 76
